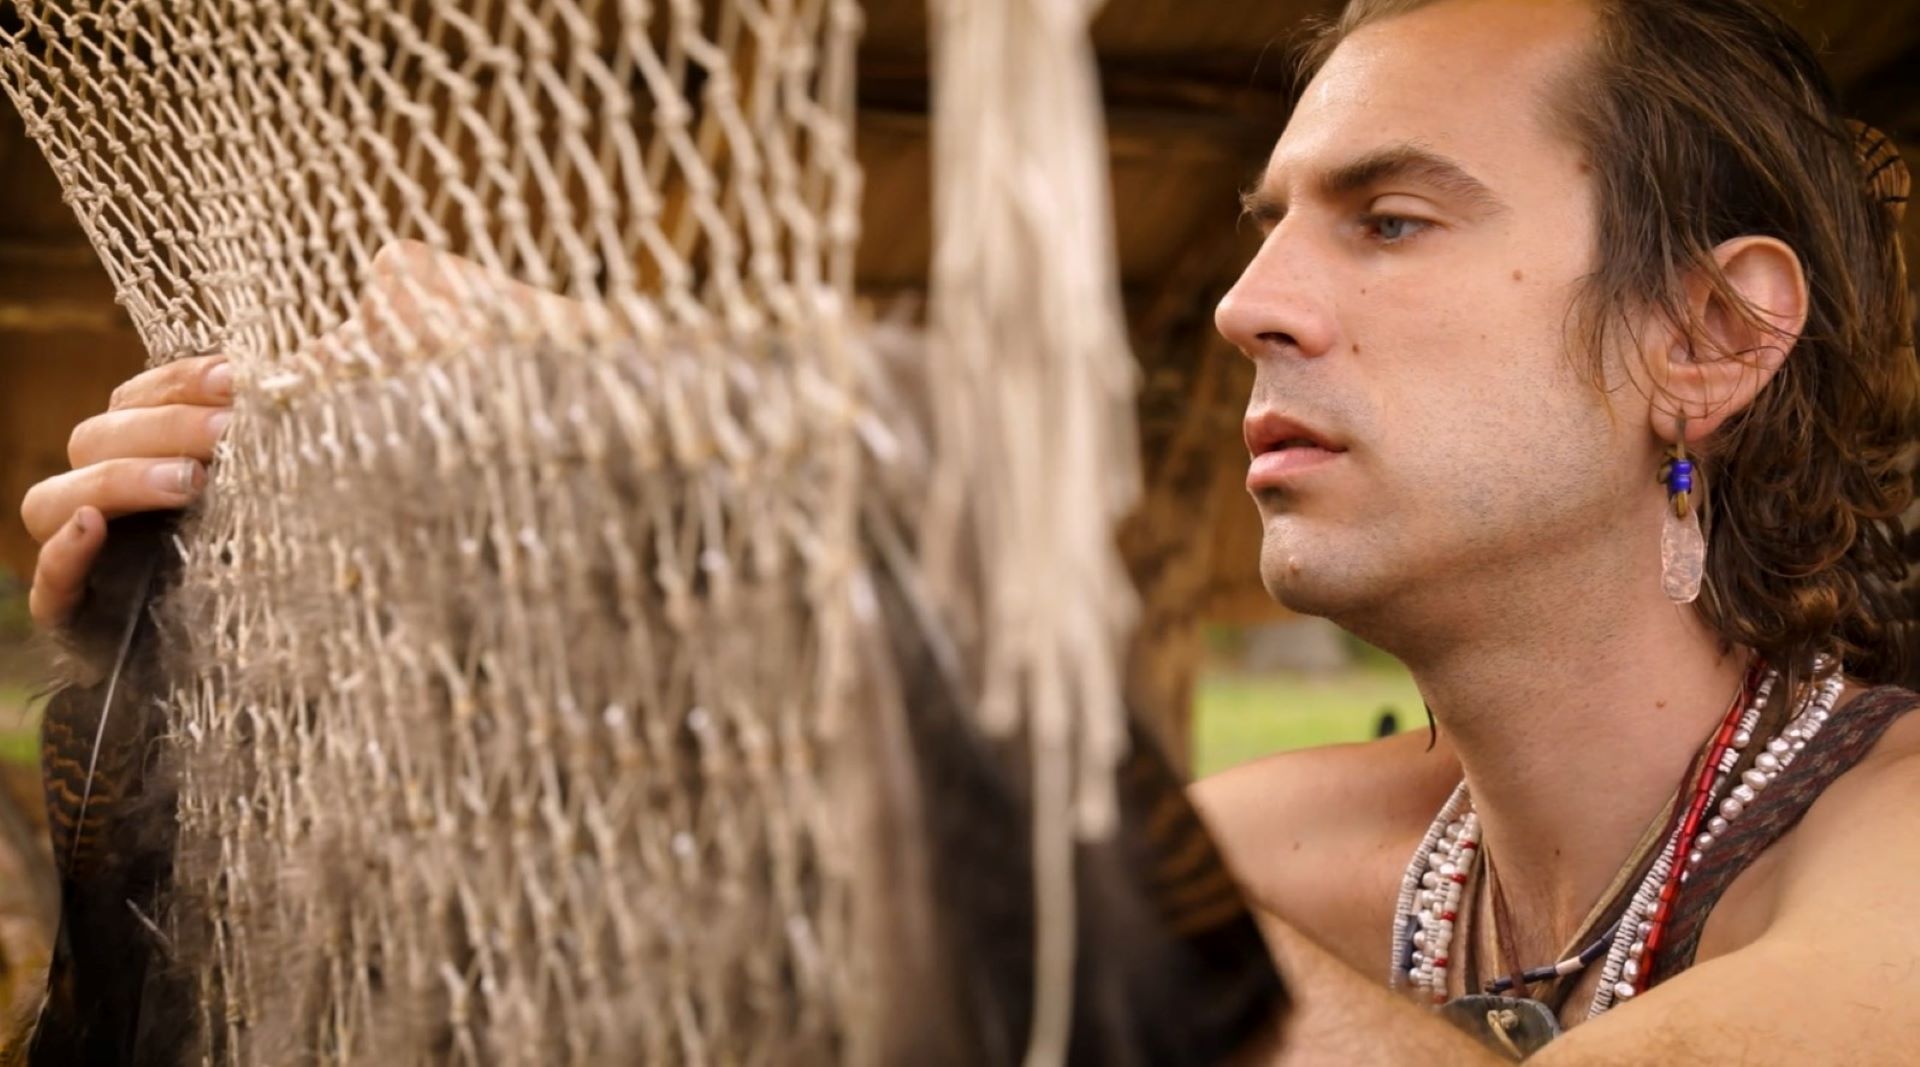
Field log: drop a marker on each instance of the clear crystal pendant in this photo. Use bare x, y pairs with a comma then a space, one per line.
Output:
1683, 556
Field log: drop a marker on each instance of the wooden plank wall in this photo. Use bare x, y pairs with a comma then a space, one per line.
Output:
64, 343
49, 380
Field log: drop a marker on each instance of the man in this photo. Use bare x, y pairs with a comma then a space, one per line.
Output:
1517, 255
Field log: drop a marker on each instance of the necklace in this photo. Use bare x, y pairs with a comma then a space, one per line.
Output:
1429, 903
1430, 892
1646, 918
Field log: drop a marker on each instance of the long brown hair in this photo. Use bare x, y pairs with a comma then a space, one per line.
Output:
1706, 120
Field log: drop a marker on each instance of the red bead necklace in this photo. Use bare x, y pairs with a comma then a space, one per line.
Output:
1710, 777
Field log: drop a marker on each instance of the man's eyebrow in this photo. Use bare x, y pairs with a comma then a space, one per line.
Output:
1266, 203
1262, 206
1410, 162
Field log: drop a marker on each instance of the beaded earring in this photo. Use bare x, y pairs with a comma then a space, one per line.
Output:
1683, 548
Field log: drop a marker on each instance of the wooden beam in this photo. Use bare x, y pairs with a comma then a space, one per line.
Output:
1224, 106
61, 318
61, 254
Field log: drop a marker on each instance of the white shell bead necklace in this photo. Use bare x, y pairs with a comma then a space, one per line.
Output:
1431, 889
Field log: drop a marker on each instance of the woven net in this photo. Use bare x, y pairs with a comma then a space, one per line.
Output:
523, 673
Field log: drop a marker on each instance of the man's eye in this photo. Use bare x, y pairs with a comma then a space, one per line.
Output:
1392, 229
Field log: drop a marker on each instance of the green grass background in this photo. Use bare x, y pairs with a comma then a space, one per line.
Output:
1239, 717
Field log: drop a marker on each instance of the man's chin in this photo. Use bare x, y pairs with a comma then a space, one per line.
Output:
1302, 598
1297, 587
1306, 584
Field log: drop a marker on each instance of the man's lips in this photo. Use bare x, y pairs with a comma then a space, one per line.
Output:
1272, 470
1284, 448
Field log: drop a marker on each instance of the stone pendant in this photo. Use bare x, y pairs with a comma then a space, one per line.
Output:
1514, 1027
1683, 556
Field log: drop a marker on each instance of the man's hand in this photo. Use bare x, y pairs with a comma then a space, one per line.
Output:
146, 452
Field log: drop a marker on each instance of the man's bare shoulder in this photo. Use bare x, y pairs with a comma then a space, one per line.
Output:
1881, 791
1878, 800
1319, 836
1288, 796
1833, 899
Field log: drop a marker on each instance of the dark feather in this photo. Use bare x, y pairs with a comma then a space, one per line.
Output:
110, 818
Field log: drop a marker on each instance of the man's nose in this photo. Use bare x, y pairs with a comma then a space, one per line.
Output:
1280, 304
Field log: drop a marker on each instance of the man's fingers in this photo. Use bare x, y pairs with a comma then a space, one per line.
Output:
169, 430
114, 487
203, 380
60, 578
176, 411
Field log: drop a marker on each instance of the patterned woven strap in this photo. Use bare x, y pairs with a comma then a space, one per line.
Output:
1888, 180
1844, 742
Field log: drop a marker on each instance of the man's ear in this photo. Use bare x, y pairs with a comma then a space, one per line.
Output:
1712, 366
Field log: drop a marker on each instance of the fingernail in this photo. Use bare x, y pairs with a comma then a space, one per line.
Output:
179, 477
218, 422
220, 379
78, 527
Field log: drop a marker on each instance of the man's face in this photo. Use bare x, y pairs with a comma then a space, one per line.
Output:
1409, 315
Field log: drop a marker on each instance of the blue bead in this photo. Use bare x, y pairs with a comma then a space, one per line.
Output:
1679, 475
